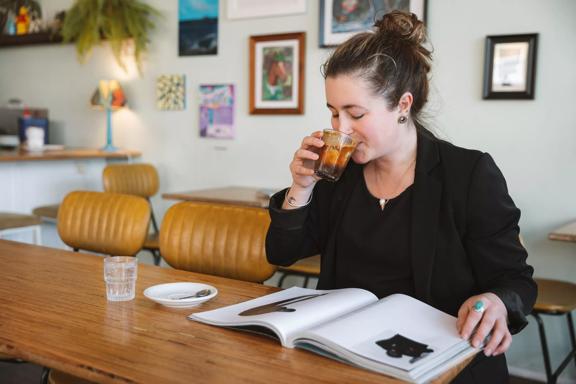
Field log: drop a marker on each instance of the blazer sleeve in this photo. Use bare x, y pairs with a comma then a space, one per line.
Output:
293, 234
493, 244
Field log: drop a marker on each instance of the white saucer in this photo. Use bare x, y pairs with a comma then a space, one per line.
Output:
168, 294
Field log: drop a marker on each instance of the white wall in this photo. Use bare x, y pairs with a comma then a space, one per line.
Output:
534, 142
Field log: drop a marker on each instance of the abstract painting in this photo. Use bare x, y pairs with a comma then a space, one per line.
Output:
170, 92
197, 27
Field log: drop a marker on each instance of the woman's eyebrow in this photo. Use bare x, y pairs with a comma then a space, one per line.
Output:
347, 106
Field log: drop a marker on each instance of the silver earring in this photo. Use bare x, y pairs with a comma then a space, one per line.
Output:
402, 119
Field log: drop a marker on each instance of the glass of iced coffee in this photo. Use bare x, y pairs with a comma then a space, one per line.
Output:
334, 155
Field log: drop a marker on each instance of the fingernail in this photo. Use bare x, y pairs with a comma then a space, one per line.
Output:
465, 336
475, 343
487, 352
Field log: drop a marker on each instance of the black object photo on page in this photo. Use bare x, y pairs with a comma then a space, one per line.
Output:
398, 346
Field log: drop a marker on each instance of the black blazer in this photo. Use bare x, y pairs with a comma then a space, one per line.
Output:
465, 234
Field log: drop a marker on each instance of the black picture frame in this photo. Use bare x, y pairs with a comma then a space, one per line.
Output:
510, 66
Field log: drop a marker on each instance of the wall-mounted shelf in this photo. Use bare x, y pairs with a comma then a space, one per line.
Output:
29, 39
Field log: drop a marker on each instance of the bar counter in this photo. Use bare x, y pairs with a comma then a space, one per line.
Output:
64, 154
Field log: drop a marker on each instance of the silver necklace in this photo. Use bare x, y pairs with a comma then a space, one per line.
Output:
382, 202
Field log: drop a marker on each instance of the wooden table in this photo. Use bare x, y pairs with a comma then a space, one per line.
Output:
54, 313
565, 233
246, 196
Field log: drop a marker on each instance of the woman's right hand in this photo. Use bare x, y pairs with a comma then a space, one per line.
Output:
302, 174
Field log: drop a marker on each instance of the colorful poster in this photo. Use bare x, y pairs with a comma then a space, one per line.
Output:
217, 111
197, 27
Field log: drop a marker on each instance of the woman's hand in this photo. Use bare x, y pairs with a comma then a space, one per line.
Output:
302, 175
491, 321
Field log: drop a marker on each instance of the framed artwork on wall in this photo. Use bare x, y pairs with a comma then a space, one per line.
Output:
171, 92
217, 111
197, 27
342, 19
243, 9
277, 65
510, 66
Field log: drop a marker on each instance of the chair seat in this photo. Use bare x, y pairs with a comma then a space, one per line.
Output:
307, 266
555, 296
17, 220
49, 212
57, 377
152, 241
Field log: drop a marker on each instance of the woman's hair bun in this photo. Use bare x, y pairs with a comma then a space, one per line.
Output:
401, 25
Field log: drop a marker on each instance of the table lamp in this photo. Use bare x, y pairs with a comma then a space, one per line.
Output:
110, 96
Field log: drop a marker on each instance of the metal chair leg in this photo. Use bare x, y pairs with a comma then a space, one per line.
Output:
545, 353
572, 338
45, 374
306, 278
282, 279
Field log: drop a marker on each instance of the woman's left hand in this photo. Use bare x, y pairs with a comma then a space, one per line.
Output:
492, 320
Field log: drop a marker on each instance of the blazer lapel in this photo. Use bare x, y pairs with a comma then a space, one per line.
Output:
425, 210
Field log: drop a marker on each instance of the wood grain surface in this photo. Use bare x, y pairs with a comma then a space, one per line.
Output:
53, 312
565, 233
64, 154
246, 196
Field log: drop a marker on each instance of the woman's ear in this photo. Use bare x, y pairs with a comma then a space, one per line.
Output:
405, 102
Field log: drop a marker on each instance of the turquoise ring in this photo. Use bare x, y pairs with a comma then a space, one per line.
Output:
478, 306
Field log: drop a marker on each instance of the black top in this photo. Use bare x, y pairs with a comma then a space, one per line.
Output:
373, 245
463, 237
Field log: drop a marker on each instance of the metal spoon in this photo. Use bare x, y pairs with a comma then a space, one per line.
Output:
201, 293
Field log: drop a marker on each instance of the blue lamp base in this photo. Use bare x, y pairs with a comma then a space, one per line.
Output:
109, 147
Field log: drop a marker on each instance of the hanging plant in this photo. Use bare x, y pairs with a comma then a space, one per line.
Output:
90, 22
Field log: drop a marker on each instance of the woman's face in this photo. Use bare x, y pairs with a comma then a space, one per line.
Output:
366, 117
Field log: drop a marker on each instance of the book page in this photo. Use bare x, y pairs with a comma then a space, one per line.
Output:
397, 331
289, 311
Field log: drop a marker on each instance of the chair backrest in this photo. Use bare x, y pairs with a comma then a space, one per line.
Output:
217, 239
109, 223
131, 179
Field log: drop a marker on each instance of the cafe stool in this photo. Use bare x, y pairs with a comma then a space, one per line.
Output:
556, 298
139, 180
47, 213
13, 223
308, 267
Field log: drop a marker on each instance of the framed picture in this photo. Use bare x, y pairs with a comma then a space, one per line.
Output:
277, 73
510, 66
342, 19
243, 9
197, 27
171, 92
217, 111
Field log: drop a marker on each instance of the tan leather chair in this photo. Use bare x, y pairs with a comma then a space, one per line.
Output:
307, 268
217, 239
108, 223
139, 180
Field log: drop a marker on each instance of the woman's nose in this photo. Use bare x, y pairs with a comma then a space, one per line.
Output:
342, 125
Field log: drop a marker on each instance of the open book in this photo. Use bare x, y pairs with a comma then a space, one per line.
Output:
398, 335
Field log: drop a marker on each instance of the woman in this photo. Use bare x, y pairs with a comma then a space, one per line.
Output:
411, 214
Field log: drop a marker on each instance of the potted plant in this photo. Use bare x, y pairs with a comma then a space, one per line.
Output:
90, 22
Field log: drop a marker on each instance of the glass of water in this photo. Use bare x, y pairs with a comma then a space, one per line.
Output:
120, 274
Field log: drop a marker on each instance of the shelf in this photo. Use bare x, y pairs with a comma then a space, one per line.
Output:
29, 39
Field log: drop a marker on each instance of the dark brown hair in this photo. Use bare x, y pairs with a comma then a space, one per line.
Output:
392, 59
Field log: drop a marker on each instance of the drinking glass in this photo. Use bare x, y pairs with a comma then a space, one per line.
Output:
120, 274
